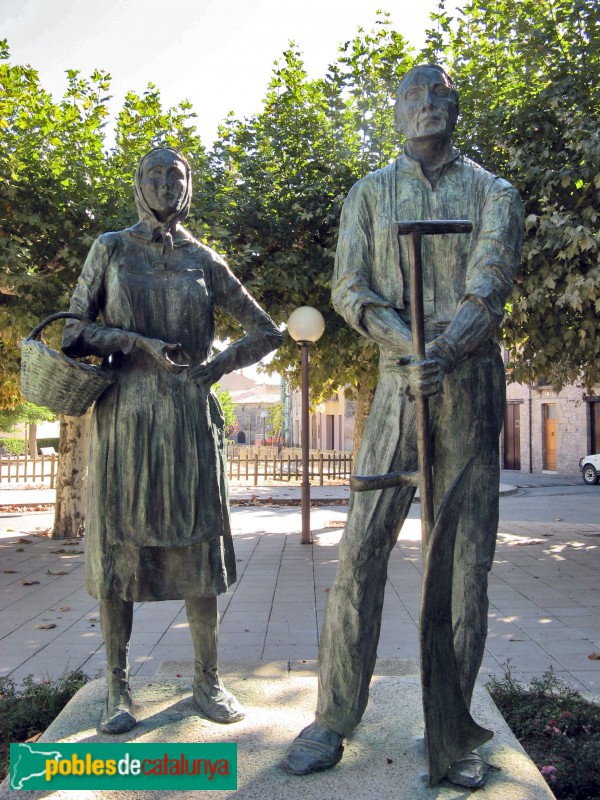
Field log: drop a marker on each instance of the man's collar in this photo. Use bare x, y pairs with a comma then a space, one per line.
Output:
412, 165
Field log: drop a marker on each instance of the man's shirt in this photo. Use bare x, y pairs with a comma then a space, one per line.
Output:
371, 268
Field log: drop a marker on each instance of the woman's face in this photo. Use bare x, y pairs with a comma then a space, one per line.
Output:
163, 183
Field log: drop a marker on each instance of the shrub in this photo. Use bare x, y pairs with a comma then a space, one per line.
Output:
16, 447
29, 709
559, 729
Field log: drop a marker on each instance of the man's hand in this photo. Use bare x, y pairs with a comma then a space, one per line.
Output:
169, 356
442, 351
424, 378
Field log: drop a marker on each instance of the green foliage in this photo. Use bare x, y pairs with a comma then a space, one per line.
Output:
559, 729
29, 709
13, 446
527, 76
280, 178
275, 419
269, 194
26, 412
527, 73
60, 188
16, 447
51, 441
228, 409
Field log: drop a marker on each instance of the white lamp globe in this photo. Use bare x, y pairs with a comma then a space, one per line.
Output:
306, 324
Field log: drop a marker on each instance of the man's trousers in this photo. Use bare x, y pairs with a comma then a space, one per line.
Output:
466, 420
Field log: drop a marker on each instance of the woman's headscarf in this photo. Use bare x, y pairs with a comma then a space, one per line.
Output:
147, 215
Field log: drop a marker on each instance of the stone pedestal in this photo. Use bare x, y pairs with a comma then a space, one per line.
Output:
383, 759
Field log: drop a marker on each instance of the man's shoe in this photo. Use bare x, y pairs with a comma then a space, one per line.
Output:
471, 772
214, 701
314, 749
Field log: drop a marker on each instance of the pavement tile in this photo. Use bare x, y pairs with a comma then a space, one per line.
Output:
240, 653
294, 639
303, 619
590, 679
237, 639
545, 597
289, 652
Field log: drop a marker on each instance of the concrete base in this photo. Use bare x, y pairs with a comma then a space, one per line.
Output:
384, 758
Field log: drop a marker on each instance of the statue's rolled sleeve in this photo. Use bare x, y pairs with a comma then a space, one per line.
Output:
352, 294
493, 264
495, 258
88, 337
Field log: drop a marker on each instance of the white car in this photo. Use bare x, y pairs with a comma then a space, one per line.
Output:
590, 469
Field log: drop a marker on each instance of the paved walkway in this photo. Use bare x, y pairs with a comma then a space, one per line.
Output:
544, 596
241, 493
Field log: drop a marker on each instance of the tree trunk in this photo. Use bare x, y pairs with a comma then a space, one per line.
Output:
32, 440
364, 398
71, 477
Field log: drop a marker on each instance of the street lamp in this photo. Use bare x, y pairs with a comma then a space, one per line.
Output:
305, 326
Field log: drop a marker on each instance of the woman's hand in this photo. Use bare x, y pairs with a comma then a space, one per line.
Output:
207, 374
169, 356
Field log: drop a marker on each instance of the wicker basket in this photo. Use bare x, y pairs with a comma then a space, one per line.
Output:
59, 383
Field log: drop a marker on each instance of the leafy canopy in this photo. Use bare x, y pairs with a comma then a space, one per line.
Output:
60, 188
527, 72
269, 193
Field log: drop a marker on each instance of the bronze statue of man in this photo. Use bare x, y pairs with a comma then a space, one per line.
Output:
466, 281
157, 522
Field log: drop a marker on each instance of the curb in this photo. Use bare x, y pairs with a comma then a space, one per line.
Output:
250, 500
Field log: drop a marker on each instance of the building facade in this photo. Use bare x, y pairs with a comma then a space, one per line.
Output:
544, 430
549, 431
331, 423
252, 402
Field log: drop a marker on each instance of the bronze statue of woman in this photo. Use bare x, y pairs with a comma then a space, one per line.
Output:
157, 521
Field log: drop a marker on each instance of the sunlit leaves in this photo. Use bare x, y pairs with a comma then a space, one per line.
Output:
527, 72
60, 188
281, 177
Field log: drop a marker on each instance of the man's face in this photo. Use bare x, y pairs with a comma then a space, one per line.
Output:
426, 105
163, 183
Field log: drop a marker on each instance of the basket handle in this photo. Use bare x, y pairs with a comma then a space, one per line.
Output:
60, 315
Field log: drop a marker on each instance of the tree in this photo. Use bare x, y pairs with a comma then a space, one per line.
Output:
527, 73
228, 409
275, 419
522, 68
269, 194
25, 412
59, 189
280, 179
71, 478
31, 415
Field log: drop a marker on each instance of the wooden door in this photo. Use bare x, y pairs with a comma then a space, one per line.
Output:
594, 427
550, 431
512, 436
329, 420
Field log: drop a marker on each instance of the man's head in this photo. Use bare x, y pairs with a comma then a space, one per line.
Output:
426, 103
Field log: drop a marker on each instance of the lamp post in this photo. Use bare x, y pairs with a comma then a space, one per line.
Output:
305, 326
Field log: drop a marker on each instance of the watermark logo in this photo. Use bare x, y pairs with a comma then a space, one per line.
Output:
123, 766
